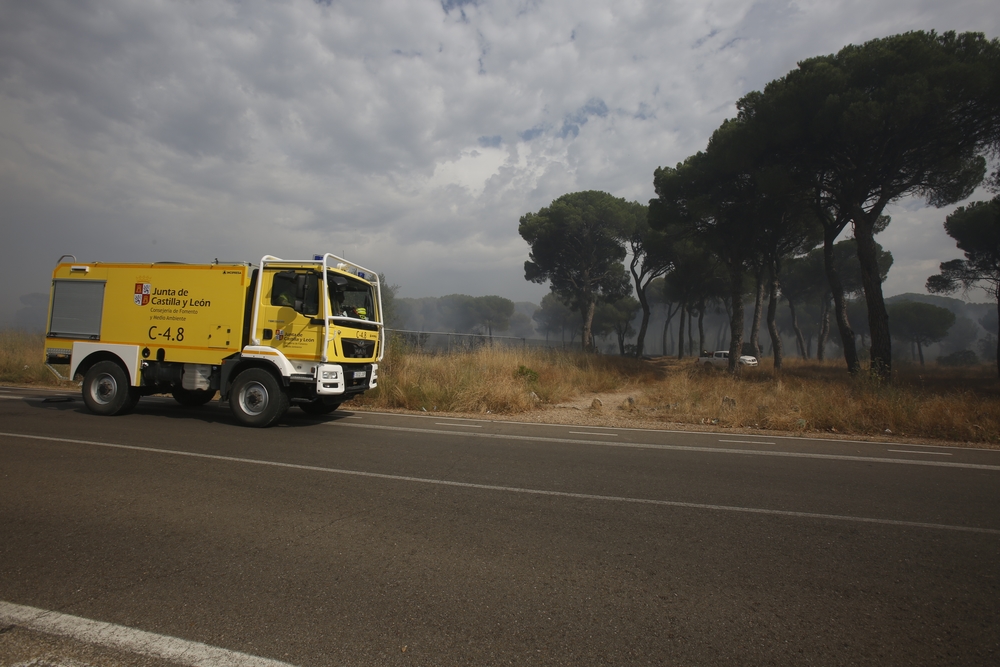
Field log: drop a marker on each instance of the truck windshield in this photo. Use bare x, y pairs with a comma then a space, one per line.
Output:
350, 297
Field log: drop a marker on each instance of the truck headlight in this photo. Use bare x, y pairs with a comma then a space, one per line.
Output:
330, 375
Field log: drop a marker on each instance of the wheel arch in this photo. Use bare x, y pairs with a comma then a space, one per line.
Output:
96, 357
231, 368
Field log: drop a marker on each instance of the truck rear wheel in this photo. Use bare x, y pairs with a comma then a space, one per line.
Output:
257, 398
319, 406
106, 389
192, 398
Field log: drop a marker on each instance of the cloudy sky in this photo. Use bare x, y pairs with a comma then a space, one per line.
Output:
408, 135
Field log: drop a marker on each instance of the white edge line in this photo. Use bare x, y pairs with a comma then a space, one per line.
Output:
121, 637
674, 448
750, 442
526, 491
613, 435
667, 431
462, 425
625, 428
907, 451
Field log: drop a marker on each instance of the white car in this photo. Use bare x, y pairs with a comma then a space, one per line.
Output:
720, 358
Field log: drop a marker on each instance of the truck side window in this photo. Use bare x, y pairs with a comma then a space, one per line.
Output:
283, 290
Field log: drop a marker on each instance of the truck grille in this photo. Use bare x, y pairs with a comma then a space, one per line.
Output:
358, 349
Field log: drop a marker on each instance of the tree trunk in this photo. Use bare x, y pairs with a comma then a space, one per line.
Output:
758, 309
878, 317
920, 351
588, 323
824, 329
701, 328
690, 337
832, 227
640, 340
998, 336
772, 325
666, 326
736, 320
680, 334
839, 302
799, 340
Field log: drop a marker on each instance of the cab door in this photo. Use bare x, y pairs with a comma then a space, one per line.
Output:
290, 315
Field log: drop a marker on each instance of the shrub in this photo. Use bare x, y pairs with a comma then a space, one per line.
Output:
960, 358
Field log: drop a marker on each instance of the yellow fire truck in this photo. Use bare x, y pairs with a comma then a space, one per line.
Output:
307, 332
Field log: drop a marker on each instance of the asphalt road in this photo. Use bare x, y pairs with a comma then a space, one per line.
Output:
370, 539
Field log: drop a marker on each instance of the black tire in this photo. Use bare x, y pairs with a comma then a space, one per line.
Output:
192, 398
257, 398
106, 389
133, 400
319, 406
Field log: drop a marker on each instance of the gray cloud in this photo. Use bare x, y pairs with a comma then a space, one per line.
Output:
410, 136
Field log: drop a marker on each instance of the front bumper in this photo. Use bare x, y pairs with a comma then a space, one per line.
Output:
339, 379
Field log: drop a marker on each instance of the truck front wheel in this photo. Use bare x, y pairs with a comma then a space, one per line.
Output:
257, 398
106, 389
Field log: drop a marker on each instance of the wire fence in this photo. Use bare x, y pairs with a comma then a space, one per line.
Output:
441, 342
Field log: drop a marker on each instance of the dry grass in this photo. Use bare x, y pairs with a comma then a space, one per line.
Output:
497, 380
21, 359
956, 404
809, 396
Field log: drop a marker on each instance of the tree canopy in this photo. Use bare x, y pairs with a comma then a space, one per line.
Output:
920, 323
976, 230
576, 247
910, 114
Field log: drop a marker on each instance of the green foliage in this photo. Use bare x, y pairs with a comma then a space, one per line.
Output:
920, 323
616, 317
555, 317
576, 246
976, 230
492, 312
905, 115
526, 374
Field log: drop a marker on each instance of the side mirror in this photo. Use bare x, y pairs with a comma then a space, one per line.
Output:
307, 293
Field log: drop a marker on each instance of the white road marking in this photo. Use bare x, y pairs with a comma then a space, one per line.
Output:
750, 442
520, 490
460, 425
145, 643
825, 441
907, 451
613, 435
678, 448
